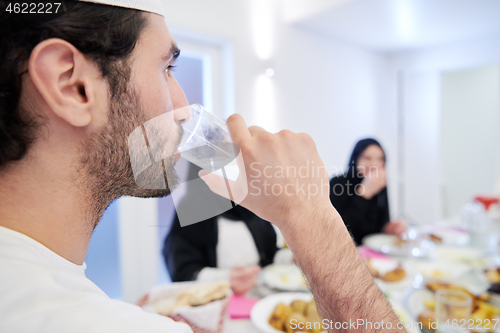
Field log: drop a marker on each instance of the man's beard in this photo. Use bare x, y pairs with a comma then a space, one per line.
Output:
106, 159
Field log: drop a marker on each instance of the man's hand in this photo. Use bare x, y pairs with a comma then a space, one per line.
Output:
284, 174
300, 206
395, 228
243, 279
373, 182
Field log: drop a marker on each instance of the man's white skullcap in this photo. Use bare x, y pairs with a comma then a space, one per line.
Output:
152, 6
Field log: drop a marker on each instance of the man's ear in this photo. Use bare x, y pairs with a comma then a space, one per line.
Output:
65, 79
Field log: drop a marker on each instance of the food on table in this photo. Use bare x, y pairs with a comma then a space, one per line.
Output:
427, 318
294, 321
298, 314
436, 239
494, 288
437, 285
299, 306
482, 311
430, 304
399, 241
438, 274
284, 277
194, 296
485, 311
279, 316
311, 310
493, 275
394, 275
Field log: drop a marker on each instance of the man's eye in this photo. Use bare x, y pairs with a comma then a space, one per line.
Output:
170, 68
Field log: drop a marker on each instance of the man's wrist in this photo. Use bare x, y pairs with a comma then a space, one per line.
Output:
308, 218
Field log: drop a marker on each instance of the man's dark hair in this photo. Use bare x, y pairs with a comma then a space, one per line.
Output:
105, 34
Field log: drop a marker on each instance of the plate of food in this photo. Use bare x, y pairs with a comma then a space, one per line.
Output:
442, 271
286, 312
201, 305
421, 305
463, 254
386, 244
405, 318
390, 273
446, 235
284, 278
491, 277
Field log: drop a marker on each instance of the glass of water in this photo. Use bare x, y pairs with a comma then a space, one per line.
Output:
453, 310
206, 142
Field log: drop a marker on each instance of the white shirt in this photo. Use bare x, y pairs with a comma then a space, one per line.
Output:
235, 247
42, 292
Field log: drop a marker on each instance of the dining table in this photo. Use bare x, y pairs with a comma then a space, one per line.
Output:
423, 254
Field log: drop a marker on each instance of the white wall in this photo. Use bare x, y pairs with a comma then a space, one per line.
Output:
421, 144
470, 134
321, 87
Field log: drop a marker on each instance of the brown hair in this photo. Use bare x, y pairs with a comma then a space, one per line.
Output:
105, 34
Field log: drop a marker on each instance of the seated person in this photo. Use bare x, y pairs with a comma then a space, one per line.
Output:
72, 88
232, 246
360, 194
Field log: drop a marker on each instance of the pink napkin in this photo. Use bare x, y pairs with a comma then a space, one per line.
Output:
240, 307
365, 252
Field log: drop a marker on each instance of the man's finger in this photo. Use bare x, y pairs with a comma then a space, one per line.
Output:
255, 130
238, 129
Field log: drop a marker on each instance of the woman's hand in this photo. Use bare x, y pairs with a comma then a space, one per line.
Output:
373, 182
395, 228
243, 279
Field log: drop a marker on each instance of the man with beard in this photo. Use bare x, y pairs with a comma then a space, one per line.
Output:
72, 88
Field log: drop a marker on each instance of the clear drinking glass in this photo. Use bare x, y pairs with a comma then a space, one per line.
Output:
206, 142
453, 310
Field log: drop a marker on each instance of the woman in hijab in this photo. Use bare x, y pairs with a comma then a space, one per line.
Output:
360, 194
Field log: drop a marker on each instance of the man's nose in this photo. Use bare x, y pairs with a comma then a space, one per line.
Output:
182, 115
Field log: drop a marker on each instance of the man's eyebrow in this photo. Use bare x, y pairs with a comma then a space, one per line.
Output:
173, 53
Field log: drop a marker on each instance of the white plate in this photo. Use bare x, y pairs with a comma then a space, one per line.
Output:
284, 277
406, 318
414, 301
442, 271
385, 244
263, 309
464, 254
385, 265
450, 236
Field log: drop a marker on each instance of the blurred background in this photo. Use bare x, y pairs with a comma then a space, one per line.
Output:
421, 76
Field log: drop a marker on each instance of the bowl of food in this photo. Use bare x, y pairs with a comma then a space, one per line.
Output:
287, 312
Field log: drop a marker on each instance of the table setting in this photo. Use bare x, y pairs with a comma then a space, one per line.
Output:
432, 272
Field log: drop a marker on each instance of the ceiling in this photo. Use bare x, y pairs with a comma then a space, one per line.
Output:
395, 25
